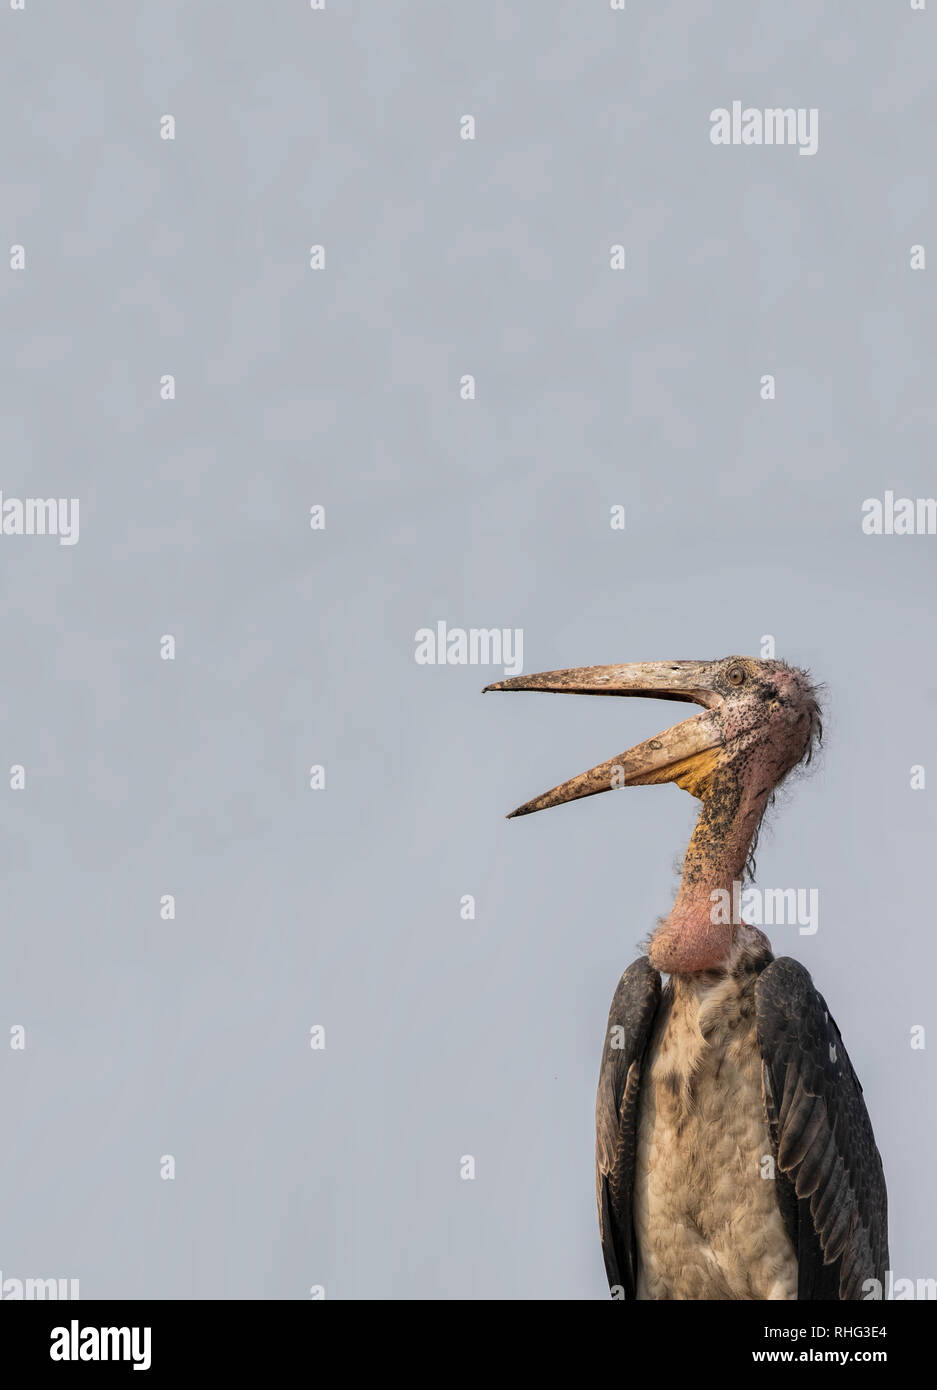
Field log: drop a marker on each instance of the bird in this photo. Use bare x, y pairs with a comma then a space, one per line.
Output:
734, 1157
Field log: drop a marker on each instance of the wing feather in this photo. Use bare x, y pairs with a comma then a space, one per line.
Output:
831, 1184
630, 1022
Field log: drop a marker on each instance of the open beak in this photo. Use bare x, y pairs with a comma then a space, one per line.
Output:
687, 754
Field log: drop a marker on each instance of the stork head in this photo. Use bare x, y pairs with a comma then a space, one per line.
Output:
760, 718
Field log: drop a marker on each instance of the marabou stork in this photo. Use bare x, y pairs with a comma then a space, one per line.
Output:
734, 1154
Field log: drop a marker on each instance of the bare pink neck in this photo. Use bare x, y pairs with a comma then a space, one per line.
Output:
688, 940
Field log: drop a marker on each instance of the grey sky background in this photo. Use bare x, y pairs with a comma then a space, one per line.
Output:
341, 387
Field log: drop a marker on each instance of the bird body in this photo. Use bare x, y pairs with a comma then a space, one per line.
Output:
734, 1153
706, 1219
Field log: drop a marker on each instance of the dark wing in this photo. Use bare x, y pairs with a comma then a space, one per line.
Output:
831, 1188
630, 1020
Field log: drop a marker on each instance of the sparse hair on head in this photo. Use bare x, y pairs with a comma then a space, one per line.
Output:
816, 691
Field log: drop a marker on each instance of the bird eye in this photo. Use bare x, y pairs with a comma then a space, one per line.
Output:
736, 675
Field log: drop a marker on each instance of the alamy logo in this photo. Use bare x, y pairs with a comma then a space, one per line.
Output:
474, 646
77, 1343
899, 516
899, 1290
28, 1290
766, 907
40, 516
774, 126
